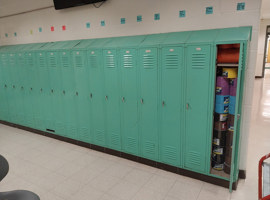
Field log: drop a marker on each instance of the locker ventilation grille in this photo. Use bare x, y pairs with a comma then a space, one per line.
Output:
170, 153
83, 133
65, 61
198, 60
194, 158
131, 143
30, 61
20, 60
42, 61
78, 61
110, 61
72, 132
149, 148
128, 61
93, 61
60, 127
148, 61
115, 139
172, 61
52, 61
12, 61
99, 136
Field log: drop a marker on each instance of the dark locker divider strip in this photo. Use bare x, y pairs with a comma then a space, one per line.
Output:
50, 130
163, 166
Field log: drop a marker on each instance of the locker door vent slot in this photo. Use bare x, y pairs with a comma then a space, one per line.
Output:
149, 148
115, 139
128, 61
194, 158
42, 61
170, 153
131, 143
172, 61
78, 61
30, 61
93, 61
99, 136
148, 61
110, 61
50, 130
52, 61
65, 61
198, 60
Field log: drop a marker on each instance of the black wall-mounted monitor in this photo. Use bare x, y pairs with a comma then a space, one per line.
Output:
62, 4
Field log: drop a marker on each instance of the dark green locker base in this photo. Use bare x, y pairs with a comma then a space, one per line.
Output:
173, 169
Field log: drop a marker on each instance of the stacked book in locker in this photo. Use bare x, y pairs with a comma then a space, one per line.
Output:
220, 124
224, 119
229, 140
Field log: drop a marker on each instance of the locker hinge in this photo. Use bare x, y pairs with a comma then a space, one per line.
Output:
238, 116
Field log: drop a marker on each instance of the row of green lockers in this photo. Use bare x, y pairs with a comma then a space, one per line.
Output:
152, 101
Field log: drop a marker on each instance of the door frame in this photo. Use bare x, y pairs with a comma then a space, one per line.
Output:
264, 54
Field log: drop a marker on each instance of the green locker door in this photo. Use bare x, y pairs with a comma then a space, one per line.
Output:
149, 102
112, 99
171, 105
6, 75
20, 87
55, 91
129, 107
69, 96
96, 88
12, 87
3, 93
82, 99
44, 121
29, 82
197, 106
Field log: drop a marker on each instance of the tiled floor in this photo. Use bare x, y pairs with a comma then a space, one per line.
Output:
60, 171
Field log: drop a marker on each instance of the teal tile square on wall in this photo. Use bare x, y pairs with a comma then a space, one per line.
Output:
6, 34
209, 10
102, 23
157, 16
241, 6
123, 20
88, 25
40, 29
139, 18
15, 34
182, 13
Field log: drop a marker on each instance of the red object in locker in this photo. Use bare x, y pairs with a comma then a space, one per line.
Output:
52, 28
63, 28
228, 55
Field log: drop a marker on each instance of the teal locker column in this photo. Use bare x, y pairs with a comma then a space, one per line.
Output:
197, 101
44, 122
28, 89
20, 86
82, 98
148, 58
12, 87
3, 93
69, 96
55, 92
171, 105
97, 97
129, 105
6, 80
112, 98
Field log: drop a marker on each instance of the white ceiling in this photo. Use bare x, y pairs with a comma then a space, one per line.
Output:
265, 13
9, 7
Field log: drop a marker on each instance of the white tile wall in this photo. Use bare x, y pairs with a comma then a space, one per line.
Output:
225, 15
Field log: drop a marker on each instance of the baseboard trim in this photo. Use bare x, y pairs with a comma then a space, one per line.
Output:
163, 166
242, 174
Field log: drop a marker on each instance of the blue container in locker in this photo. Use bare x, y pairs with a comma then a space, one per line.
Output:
222, 108
222, 99
232, 105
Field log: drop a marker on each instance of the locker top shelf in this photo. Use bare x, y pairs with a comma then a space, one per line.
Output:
61, 45
127, 41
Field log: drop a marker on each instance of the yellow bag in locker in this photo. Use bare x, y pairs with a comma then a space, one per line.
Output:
229, 72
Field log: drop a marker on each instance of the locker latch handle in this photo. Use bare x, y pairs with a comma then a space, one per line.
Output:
41, 89
31, 89
163, 103
13, 86
187, 105
64, 92
77, 93
91, 95
51, 90
141, 101
123, 99
22, 87
5, 86
106, 97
